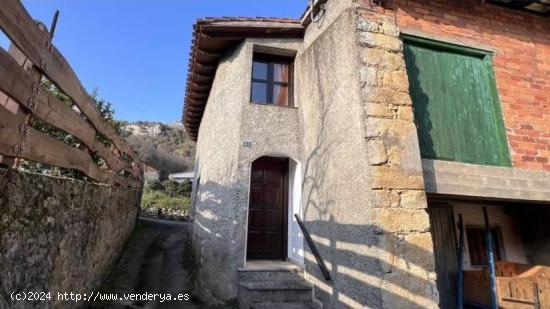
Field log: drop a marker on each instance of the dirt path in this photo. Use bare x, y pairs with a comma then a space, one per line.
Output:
152, 262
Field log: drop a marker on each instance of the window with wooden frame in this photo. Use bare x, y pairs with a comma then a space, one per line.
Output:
477, 248
272, 80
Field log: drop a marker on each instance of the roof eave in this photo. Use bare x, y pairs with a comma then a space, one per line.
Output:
211, 38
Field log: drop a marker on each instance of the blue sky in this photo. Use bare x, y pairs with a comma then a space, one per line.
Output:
135, 51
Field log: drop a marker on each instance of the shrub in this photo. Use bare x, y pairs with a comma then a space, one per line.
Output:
154, 186
185, 188
170, 187
162, 200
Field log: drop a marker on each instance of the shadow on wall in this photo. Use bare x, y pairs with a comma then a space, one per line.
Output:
420, 106
356, 274
362, 259
352, 252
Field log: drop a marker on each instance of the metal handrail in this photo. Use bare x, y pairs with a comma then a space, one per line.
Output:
311, 245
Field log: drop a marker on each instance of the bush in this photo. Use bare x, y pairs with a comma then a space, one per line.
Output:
185, 188
171, 187
162, 200
154, 186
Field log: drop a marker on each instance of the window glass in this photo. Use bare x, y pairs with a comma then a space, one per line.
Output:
280, 95
478, 249
259, 70
271, 80
259, 92
280, 72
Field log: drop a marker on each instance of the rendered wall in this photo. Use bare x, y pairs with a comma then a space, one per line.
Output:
353, 133
223, 164
59, 235
363, 192
216, 210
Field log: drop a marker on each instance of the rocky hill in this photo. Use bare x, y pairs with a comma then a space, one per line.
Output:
165, 147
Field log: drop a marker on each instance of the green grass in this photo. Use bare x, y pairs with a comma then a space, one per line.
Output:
160, 199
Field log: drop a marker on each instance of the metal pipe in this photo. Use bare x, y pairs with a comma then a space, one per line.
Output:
313, 248
460, 274
490, 260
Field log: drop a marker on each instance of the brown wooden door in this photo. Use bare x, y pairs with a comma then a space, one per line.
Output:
267, 210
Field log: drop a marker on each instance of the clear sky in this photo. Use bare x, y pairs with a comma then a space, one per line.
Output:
135, 51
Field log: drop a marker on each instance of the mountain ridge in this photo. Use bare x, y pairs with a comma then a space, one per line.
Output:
164, 146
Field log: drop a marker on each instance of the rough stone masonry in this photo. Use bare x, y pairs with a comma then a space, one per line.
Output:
59, 235
396, 170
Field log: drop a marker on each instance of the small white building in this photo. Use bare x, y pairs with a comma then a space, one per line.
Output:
181, 177
150, 173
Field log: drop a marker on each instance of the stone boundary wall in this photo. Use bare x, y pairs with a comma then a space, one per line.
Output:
59, 235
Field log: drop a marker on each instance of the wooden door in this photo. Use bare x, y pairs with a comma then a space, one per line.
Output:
267, 224
445, 250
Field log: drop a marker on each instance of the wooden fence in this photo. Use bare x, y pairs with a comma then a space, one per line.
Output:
22, 96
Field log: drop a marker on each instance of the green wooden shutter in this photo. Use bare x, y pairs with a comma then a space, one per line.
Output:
455, 103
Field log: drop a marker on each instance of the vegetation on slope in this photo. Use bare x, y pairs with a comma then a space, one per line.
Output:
165, 147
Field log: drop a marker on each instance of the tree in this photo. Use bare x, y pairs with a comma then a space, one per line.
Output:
105, 109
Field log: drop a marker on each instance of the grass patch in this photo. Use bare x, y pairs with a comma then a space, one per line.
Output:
159, 199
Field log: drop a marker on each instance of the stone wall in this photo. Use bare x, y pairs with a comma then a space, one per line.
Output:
396, 171
59, 235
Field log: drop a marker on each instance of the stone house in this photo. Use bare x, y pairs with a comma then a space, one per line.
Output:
381, 125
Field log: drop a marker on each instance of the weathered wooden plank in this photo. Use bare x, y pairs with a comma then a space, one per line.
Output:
456, 109
543, 292
21, 29
31, 144
9, 103
10, 134
20, 86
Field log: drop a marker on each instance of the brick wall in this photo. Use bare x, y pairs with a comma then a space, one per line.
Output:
521, 43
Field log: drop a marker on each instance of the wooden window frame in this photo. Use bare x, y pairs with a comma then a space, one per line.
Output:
498, 243
271, 60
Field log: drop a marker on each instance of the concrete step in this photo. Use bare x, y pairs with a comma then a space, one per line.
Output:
284, 305
271, 275
273, 291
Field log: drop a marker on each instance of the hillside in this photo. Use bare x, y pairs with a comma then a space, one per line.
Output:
165, 147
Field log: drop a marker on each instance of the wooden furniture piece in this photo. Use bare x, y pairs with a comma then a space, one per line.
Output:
519, 286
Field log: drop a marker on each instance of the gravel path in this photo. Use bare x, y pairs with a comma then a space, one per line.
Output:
152, 262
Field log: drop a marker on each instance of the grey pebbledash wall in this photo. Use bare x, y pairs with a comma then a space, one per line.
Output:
59, 235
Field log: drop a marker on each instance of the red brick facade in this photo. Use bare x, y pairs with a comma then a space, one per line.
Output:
521, 44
